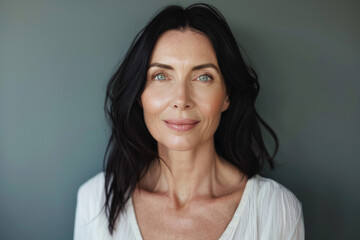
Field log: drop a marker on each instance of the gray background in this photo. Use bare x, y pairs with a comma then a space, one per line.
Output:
55, 60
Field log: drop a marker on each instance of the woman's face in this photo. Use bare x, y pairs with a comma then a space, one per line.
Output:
185, 94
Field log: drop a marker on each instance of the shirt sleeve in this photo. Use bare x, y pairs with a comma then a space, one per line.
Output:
80, 217
290, 210
90, 220
299, 231
282, 217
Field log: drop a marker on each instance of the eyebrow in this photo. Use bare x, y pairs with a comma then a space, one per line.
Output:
198, 67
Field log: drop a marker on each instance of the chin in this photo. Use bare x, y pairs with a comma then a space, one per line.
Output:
179, 145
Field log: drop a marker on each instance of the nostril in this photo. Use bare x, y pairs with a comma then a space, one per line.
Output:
181, 106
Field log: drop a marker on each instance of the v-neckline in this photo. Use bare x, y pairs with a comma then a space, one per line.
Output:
229, 228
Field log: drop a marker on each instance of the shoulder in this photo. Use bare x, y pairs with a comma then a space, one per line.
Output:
93, 186
90, 218
279, 210
269, 190
91, 196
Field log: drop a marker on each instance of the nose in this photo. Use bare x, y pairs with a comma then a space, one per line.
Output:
182, 97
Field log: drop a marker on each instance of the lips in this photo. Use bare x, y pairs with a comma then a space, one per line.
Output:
181, 125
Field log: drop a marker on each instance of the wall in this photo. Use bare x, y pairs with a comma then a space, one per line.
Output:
55, 60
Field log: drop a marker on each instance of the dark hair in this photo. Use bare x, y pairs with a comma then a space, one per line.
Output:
131, 148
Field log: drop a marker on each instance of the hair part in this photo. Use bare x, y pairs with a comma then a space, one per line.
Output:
131, 148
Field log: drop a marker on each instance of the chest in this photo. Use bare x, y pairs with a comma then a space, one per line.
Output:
203, 220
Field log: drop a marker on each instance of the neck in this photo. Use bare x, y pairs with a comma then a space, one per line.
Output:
186, 175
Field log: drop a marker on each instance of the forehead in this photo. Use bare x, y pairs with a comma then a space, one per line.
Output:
187, 46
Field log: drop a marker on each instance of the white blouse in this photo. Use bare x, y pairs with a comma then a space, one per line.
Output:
267, 210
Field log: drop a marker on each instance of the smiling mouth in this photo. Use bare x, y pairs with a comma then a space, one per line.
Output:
181, 125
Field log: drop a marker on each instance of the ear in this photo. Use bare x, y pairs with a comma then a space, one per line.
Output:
226, 104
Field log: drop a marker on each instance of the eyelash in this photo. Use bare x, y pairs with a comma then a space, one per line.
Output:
157, 74
205, 74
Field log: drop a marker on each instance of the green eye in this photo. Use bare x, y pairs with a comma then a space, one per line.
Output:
160, 76
205, 78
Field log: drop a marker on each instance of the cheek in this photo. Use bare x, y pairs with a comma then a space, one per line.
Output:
153, 104
211, 104
211, 111
153, 99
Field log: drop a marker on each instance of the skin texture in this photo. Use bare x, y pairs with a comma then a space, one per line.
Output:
202, 191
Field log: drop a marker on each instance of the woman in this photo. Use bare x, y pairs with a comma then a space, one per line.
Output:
186, 149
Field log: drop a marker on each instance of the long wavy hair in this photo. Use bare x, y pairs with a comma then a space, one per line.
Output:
131, 148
